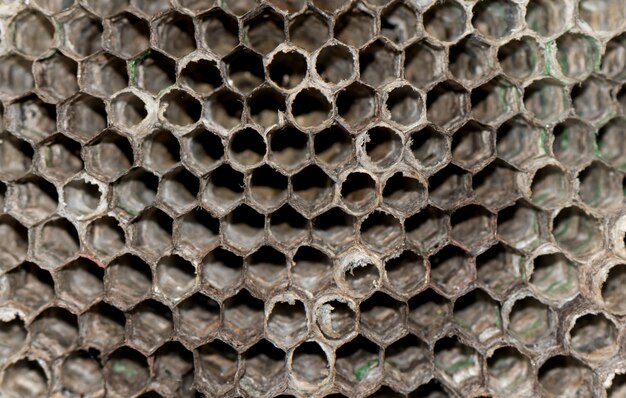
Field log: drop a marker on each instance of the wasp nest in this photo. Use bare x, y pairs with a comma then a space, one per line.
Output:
312, 198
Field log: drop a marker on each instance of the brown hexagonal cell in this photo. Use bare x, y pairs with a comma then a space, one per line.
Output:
223, 190
495, 101
174, 278
104, 75
592, 99
451, 269
577, 232
265, 30
336, 318
105, 237
406, 364
17, 76
310, 366
244, 228
221, 270
530, 321
499, 270
356, 104
32, 199
546, 100
447, 104
565, 376
59, 157
287, 226
174, 34
518, 58
380, 231
612, 295
178, 190
424, 63
519, 141
554, 277
577, 55
458, 363
57, 241
128, 279
54, 332
477, 314
546, 17
31, 118
152, 233
126, 371
80, 283
398, 23
378, 64
445, 21
471, 60
311, 268
196, 232
216, 367
33, 33
198, 318
84, 117
496, 19
287, 322
266, 270
310, 108
161, 151
312, 189
266, 107
510, 372
55, 76
82, 32
594, 337
242, 319
150, 325
82, 198
428, 229
14, 334
383, 318
334, 63
179, 108
601, 15
29, 286
25, 378
82, 374
309, 30
152, 71
574, 143
354, 27
358, 364
173, 367
127, 35
359, 192
135, 191
383, 147
264, 369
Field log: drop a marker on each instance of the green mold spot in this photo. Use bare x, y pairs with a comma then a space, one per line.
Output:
132, 66
121, 368
361, 371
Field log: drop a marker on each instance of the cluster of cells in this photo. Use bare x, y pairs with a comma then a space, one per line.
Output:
372, 198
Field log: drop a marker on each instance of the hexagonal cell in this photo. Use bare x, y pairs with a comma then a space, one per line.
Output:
592, 99
55, 76
223, 190
245, 70
33, 34
459, 363
84, 117
135, 191
404, 194
610, 142
496, 19
356, 104
522, 226
594, 337
428, 147
357, 363
201, 76
602, 15
105, 237
405, 105
175, 277
612, 294
268, 187
450, 187
17, 77
175, 34
266, 270
82, 198
555, 278
564, 376
479, 315
109, 156
473, 227
600, 187
334, 228
243, 228
16, 157
28, 285
428, 229
613, 58
32, 199
197, 231
550, 187
447, 104
180, 108
287, 69
310, 366
247, 147
360, 275
495, 101
354, 28
203, 149
546, 17
378, 64
150, 325
546, 100
287, 322
222, 270
530, 321
333, 146
32, 119
335, 64
266, 107
423, 63
128, 279
310, 108
218, 31
13, 333
470, 60
161, 151
264, 369
59, 158
519, 141
445, 21
398, 23
55, 332
80, 283
289, 148
152, 232
198, 318
383, 147
58, 241
577, 233
103, 75
473, 146
82, 32
82, 374
14, 248
499, 270
216, 367
25, 378
265, 31
359, 192
243, 319
406, 364
574, 142
383, 318
510, 372
225, 108
152, 71
518, 58
311, 269
287, 226
450, 269
309, 30
496, 185
178, 190
577, 55
126, 35
336, 318
127, 370
173, 368
311, 189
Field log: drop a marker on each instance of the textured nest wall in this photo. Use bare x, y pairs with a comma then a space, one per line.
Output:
312, 198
